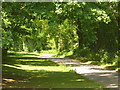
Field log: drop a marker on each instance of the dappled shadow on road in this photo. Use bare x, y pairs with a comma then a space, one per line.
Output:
108, 79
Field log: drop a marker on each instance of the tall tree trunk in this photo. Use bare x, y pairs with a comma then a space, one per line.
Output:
119, 26
98, 43
56, 42
119, 39
4, 53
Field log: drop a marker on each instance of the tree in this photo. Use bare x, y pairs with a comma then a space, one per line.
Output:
88, 29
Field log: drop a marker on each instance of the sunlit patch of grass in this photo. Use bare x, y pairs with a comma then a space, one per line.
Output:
93, 62
21, 53
49, 51
79, 80
46, 68
111, 66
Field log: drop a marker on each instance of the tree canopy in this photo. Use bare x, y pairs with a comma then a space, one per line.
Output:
88, 29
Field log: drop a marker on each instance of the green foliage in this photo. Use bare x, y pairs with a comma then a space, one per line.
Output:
87, 29
6, 39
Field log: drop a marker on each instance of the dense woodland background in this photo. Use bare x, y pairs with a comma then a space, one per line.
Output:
85, 29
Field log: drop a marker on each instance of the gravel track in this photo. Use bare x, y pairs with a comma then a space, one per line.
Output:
109, 78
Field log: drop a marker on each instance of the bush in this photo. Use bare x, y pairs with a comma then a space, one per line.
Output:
82, 52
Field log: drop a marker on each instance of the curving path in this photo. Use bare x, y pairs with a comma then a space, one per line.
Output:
109, 78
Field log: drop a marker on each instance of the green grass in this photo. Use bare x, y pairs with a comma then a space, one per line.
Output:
49, 51
111, 66
42, 73
22, 53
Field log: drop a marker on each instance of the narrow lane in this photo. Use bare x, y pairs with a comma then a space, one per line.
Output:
109, 78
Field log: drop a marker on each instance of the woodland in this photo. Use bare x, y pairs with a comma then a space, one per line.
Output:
85, 29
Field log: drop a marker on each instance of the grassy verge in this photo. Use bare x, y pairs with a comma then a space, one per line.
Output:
42, 73
49, 51
110, 66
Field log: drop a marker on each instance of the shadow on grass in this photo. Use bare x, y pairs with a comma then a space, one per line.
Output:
33, 72
39, 63
18, 78
41, 73
23, 57
33, 61
113, 67
20, 54
30, 61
